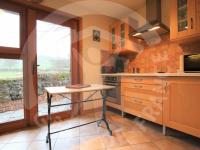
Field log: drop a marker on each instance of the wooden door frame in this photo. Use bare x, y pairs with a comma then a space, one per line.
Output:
10, 52
19, 54
76, 62
26, 53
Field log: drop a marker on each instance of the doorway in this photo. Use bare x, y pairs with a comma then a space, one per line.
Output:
53, 63
55, 47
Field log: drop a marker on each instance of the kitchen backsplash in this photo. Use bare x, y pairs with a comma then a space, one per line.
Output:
163, 57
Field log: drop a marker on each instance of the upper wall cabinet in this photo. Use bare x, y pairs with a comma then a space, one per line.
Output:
121, 41
198, 14
184, 19
114, 36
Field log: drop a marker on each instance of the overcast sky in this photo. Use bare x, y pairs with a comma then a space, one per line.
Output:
9, 29
53, 40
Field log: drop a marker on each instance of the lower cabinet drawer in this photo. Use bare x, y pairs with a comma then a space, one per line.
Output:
145, 87
143, 80
143, 91
144, 96
151, 111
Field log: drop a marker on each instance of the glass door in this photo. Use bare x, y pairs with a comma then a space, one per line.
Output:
53, 63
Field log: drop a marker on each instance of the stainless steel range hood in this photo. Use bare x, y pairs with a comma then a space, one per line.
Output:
154, 22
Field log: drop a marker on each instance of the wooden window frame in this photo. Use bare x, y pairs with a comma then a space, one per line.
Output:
10, 52
76, 59
15, 53
27, 45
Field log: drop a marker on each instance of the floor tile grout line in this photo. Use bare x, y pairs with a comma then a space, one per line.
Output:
29, 145
146, 143
100, 134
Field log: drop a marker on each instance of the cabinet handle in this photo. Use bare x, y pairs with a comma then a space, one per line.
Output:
138, 86
158, 100
136, 101
138, 79
166, 87
192, 23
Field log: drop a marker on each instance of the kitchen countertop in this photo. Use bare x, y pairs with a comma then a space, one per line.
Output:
153, 74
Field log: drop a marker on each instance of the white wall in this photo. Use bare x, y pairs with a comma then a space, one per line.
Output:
91, 50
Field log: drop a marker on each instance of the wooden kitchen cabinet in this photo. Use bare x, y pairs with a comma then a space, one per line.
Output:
181, 105
142, 97
143, 108
121, 41
142, 80
115, 37
184, 19
171, 101
127, 43
198, 15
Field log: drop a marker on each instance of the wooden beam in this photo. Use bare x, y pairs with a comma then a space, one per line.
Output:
39, 6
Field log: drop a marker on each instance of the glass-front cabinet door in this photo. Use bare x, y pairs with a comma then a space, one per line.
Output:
122, 35
198, 15
183, 18
113, 39
182, 12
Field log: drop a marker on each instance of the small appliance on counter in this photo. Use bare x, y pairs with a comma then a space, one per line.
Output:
117, 67
191, 63
136, 70
119, 64
107, 69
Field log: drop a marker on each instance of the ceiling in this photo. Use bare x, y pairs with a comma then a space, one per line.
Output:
133, 4
113, 8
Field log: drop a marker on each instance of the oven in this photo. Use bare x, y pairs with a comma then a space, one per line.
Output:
113, 95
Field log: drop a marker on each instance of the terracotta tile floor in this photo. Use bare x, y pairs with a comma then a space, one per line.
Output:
42, 109
128, 134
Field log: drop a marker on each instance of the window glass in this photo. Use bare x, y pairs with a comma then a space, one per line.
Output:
11, 90
9, 29
54, 60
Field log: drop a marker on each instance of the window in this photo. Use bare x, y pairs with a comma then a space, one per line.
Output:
11, 90
54, 59
9, 29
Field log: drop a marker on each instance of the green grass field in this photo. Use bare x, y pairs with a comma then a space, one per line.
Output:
10, 75
6, 75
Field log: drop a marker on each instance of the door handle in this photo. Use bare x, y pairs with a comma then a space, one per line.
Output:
34, 66
137, 101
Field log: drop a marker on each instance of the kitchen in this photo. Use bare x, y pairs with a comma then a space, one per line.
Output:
141, 56
156, 77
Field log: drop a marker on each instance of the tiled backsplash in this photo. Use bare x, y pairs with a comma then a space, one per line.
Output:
163, 57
